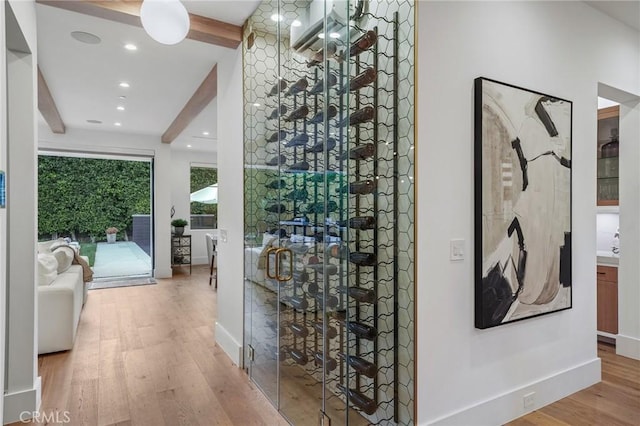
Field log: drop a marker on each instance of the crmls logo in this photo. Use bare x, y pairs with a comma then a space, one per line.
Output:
52, 417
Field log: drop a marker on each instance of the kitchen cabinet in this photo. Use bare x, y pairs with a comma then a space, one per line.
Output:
607, 282
607, 155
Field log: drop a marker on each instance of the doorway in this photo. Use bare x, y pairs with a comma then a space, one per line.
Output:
101, 204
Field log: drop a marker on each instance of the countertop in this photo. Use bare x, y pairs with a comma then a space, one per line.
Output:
607, 258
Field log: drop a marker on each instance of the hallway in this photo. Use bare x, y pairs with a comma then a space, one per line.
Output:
145, 355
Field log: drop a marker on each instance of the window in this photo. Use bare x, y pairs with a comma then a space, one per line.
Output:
204, 198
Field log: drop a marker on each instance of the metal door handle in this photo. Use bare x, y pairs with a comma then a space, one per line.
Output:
278, 261
273, 277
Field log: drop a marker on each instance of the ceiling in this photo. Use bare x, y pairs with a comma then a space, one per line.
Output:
84, 78
627, 12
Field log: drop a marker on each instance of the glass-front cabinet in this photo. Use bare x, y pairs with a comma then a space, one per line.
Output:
329, 209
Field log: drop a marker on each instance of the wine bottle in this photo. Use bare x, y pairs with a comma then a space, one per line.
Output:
332, 111
332, 301
312, 288
300, 276
362, 187
319, 207
362, 259
298, 140
277, 88
360, 116
362, 152
299, 329
319, 87
297, 195
360, 400
363, 79
301, 112
361, 330
362, 222
319, 56
276, 208
322, 269
362, 294
299, 302
361, 365
278, 160
301, 166
276, 184
329, 363
277, 111
277, 136
297, 87
320, 147
331, 331
298, 356
365, 42
339, 251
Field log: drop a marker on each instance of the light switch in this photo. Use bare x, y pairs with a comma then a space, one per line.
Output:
457, 250
223, 235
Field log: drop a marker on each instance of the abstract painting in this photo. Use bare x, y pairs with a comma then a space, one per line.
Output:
522, 203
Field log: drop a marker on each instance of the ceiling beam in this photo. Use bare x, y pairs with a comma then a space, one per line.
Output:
200, 99
202, 29
47, 106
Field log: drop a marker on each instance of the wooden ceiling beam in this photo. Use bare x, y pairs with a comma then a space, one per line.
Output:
47, 106
202, 29
200, 99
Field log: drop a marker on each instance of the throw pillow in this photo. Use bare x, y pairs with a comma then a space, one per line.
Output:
64, 255
47, 268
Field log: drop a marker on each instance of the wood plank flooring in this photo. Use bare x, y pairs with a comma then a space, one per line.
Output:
146, 355
615, 401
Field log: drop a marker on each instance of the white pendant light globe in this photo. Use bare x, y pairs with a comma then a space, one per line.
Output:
166, 21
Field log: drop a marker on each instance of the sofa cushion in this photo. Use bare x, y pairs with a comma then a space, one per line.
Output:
64, 256
47, 268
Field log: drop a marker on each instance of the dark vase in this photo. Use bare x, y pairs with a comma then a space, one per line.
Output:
179, 230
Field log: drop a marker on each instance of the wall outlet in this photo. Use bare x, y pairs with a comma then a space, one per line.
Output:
529, 400
223, 235
456, 250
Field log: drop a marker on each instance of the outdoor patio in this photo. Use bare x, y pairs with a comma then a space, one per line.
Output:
121, 259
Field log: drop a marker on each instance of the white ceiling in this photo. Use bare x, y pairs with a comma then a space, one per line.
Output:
627, 12
83, 78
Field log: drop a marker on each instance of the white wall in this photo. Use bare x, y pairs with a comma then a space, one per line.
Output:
129, 144
22, 386
607, 225
3, 212
470, 376
181, 162
229, 326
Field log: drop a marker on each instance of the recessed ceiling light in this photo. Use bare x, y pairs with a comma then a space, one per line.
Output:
256, 104
296, 23
122, 97
130, 46
124, 84
321, 36
334, 35
277, 17
94, 121
84, 37
205, 133
120, 108
188, 146
117, 124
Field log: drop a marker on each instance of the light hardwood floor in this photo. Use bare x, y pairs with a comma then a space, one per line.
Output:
146, 356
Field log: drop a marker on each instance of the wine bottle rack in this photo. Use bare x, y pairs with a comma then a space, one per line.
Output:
335, 182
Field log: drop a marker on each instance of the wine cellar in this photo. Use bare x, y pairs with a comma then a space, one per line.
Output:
329, 256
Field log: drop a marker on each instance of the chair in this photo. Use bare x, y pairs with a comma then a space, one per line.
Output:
211, 253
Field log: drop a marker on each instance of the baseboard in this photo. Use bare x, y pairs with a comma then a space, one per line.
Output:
628, 346
510, 406
162, 273
228, 344
23, 404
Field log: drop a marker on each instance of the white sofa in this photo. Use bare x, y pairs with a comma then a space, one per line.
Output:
61, 296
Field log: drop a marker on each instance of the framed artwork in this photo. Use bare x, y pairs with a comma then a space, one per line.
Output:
522, 203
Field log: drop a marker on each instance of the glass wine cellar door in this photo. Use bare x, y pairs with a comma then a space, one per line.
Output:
329, 240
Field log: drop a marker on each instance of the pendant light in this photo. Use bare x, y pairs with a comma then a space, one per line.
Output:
166, 21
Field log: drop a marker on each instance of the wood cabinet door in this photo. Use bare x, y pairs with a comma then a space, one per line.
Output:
608, 306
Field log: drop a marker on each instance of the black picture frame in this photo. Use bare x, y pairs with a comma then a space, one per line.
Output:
522, 203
